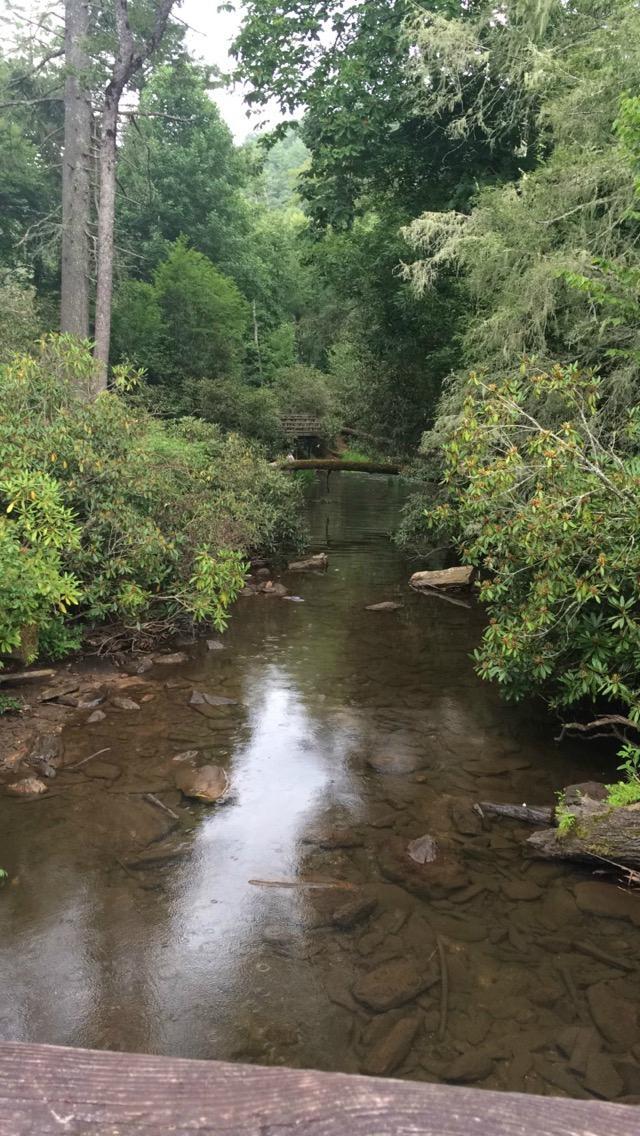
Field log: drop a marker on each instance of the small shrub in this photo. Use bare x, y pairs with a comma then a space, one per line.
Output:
627, 791
9, 704
565, 819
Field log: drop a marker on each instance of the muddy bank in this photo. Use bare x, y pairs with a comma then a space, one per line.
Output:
304, 920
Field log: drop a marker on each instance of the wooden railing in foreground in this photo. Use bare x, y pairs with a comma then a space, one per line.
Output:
78, 1092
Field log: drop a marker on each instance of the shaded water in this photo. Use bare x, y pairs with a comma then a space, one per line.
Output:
353, 734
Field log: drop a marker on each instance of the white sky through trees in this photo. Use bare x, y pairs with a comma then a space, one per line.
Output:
210, 36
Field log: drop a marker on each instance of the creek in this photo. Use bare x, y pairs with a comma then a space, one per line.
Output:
349, 735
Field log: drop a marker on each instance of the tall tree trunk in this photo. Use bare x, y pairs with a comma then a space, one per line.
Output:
106, 219
129, 59
76, 182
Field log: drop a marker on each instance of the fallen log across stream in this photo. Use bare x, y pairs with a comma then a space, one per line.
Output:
329, 465
586, 827
47, 1090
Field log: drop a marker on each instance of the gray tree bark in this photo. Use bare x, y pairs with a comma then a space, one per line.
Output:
76, 182
129, 59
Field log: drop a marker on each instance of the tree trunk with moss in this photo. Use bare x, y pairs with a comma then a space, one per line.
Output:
593, 831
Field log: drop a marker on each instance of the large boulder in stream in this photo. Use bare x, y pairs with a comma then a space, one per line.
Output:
209, 783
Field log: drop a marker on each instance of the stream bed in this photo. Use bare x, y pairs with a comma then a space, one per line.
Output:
287, 926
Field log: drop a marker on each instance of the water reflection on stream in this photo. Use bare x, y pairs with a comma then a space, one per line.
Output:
353, 734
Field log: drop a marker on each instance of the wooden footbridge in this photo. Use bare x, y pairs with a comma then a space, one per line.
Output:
47, 1091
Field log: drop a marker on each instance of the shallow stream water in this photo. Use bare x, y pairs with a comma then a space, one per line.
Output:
352, 733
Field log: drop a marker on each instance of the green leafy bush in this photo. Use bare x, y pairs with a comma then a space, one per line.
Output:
549, 514
110, 515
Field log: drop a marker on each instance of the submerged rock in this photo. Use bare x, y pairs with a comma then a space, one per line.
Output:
391, 985
209, 783
353, 912
27, 787
432, 879
122, 703
521, 889
138, 666
608, 900
215, 645
271, 588
172, 660
395, 763
616, 1020
333, 838
46, 754
386, 605
423, 850
203, 698
310, 563
392, 1048
475, 1065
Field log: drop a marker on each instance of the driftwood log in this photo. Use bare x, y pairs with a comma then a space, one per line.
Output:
592, 830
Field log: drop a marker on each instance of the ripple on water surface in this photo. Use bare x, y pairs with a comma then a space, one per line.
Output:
350, 734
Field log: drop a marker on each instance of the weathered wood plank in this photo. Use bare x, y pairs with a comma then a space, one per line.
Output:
330, 464
76, 1092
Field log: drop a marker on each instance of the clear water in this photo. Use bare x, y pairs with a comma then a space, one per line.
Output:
190, 957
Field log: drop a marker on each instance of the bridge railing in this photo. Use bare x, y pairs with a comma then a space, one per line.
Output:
76, 1092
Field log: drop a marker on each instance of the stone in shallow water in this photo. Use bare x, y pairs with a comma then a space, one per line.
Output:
124, 703
423, 850
203, 698
102, 770
432, 880
273, 588
209, 783
395, 763
465, 819
602, 1078
608, 900
332, 838
352, 912
521, 889
616, 1020
392, 1048
386, 605
475, 1065
171, 660
27, 787
319, 561
391, 985
97, 716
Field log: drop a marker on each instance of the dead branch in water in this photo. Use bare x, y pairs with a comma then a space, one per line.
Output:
527, 813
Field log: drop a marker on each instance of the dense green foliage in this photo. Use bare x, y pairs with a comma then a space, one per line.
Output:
541, 481
110, 515
460, 194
